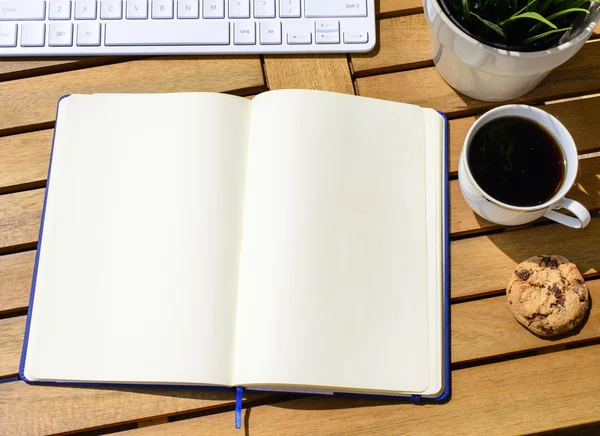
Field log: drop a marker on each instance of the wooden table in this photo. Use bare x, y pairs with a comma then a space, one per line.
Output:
504, 379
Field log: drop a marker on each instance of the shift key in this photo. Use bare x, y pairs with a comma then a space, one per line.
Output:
335, 8
22, 10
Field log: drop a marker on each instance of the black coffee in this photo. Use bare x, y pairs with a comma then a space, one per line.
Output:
516, 161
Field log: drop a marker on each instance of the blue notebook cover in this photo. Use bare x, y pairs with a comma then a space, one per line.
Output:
239, 390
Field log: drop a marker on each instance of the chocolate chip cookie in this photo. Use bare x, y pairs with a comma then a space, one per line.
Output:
548, 295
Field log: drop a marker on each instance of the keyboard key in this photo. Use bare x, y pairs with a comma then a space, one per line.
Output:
8, 35
299, 38
239, 8
335, 8
214, 9
32, 34
264, 8
270, 32
88, 34
22, 10
244, 33
60, 35
187, 9
327, 26
59, 10
162, 9
289, 8
356, 37
328, 38
85, 9
140, 33
111, 10
136, 10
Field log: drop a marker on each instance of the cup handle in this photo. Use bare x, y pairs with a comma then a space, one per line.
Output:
582, 214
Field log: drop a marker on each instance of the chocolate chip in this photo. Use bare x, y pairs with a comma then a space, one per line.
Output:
578, 281
580, 292
548, 330
549, 262
556, 290
561, 300
510, 302
523, 274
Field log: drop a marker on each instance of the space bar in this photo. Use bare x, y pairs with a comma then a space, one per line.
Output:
167, 33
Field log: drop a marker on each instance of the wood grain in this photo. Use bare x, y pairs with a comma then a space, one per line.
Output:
402, 43
11, 342
398, 7
20, 215
586, 190
34, 410
33, 101
498, 399
24, 159
323, 72
486, 328
425, 87
578, 116
15, 281
480, 329
483, 264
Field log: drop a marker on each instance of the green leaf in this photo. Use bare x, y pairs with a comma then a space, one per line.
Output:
523, 10
465, 10
530, 15
567, 11
543, 35
491, 25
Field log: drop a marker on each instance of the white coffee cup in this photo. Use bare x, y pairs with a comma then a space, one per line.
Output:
501, 213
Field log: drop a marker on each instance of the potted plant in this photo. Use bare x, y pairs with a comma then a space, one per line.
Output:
498, 50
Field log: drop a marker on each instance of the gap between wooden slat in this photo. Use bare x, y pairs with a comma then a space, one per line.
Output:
481, 329
498, 254
402, 43
33, 410
33, 100
425, 87
586, 190
514, 397
578, 116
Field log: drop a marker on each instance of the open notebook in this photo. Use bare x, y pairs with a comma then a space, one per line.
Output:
295, 241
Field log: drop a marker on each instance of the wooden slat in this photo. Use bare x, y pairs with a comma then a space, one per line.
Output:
34, 410
398, 7
15, 68
514, 397
480, 329
33, 101
578, 116
24, 159
15, 280
487, 328
403, 43
20, 215
324, 72
586, 190
11, 342
426, 88
483, 264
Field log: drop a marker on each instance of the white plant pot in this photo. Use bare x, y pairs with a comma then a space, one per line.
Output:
490, 74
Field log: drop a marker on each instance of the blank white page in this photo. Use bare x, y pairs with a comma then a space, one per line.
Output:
333, 285
138, 273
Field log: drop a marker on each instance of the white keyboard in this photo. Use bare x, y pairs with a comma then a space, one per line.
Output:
142, 27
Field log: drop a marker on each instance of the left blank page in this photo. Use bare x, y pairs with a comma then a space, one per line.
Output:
138, 268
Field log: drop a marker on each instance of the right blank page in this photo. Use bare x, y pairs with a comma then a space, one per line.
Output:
334, 289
